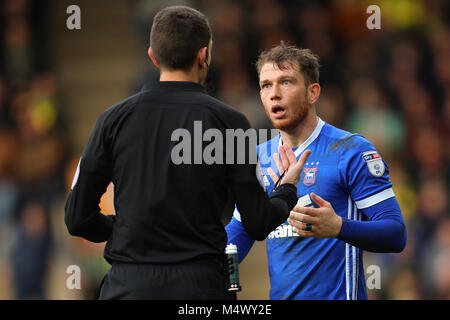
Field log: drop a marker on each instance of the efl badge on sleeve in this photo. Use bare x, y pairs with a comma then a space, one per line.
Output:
374, 163
310, 176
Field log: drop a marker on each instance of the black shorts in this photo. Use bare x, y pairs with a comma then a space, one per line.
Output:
193, 280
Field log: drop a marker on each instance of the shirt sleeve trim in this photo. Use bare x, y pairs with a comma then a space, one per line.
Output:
374, 199
237, 215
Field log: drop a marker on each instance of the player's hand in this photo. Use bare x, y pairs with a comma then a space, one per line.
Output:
288, 162
324, 221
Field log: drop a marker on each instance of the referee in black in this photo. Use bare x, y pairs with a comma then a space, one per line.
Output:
167, 240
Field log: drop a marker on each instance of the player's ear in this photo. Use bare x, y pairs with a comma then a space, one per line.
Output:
313, 93
150, 54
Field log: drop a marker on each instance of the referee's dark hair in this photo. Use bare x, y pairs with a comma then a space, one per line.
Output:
177, 34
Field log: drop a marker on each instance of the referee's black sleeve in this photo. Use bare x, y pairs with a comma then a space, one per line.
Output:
82, 213
260, 214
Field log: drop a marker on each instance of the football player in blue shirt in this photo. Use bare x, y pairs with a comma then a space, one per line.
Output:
346, 202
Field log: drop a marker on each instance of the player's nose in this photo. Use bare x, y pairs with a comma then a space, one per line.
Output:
275, 93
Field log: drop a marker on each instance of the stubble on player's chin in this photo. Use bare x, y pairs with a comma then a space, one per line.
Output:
288, 124
284, 124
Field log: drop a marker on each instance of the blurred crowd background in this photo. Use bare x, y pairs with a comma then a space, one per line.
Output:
391, 85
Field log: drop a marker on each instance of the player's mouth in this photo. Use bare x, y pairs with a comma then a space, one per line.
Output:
278, 111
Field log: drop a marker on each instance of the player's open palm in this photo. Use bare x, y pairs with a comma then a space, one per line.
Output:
288, 166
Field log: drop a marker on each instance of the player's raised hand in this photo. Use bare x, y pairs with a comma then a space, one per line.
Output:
322, 222
288, 165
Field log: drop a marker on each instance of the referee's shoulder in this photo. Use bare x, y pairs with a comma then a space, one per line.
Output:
120, 108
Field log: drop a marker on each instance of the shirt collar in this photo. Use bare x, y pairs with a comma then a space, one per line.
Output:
310, 139
174, 85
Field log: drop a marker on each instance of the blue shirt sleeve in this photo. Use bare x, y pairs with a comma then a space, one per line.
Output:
237, 235
362, 170
386, 232
366, 176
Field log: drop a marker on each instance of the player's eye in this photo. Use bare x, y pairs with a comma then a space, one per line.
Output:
265, 86
286, 82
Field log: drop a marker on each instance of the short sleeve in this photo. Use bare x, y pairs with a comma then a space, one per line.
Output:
364, 172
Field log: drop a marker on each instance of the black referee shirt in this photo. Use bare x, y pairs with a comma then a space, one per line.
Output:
166, 212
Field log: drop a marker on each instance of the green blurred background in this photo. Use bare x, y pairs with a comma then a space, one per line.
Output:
391, 85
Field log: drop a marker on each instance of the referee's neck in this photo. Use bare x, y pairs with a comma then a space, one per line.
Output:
179, 75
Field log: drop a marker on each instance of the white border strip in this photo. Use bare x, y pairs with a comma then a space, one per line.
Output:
354, 258
357, 258
75, 178
376, 198
353, 273
237, 215
347, 253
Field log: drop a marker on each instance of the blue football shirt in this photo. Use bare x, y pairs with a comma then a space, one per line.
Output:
346, 170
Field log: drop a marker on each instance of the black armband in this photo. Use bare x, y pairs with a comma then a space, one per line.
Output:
287, 192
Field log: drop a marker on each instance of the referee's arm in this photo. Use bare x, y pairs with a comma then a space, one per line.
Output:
82, 213
260, 214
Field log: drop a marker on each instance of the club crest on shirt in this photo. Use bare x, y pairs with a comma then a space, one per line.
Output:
310, 176
374, 163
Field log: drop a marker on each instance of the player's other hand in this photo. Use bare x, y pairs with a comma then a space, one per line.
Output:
323, 221
287, 162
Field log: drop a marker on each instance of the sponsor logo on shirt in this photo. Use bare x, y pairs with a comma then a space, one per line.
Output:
371, 155
283, 231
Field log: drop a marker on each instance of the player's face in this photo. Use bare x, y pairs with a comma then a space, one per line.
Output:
284, 95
